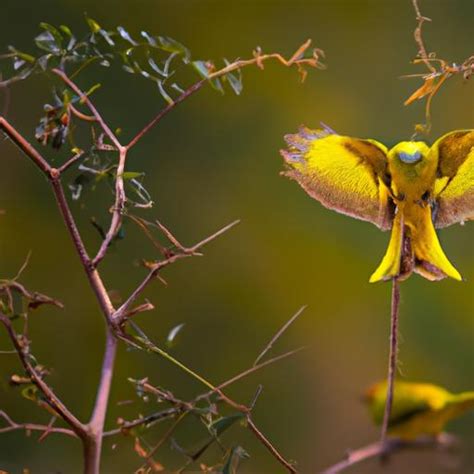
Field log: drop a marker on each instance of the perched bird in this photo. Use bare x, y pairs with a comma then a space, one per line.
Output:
411, 188
418, 408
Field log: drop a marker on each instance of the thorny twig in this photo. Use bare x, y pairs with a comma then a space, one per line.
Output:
122, 313
34, 299
439, 70
52, 399
28, 427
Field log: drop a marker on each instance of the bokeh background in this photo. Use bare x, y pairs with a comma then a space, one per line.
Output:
215, 159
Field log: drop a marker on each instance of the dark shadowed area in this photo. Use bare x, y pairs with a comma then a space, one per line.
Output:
215, 159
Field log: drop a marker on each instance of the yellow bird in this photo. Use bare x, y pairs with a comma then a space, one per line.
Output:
418, 408
411, 188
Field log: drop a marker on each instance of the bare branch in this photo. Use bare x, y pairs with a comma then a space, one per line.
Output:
439, 70
64, 167
51, 397
391, 446
23, 267
188, 92
149, 420
273, 450
278, 334
15, 426
35, 299
120, 316
251, 370
118, 209
25, 146
80, 115
393, 356
419, 37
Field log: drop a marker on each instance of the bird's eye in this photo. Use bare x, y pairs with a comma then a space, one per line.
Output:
409, 157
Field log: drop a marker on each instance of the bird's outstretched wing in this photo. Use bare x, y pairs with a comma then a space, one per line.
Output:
348, 175
454, 187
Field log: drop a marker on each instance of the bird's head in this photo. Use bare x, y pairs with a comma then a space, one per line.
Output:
409, 152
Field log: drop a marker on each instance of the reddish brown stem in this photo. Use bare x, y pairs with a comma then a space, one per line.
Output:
90, 434
191, 90
263, 439
51, 397
392, 361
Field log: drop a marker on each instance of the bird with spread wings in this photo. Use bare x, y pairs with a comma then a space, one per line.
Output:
411, 189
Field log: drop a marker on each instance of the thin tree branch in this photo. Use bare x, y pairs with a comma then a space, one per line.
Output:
121, 315
92, 274
25, 146
422, 53
297, 59
278, 334
391, 446
147, 420
15, 426
393, 356
51, 397
85, 99
180, 405
118, 209
91, 434
274, 451
120, 197
188, 92
80, 115
64, 167
100, 408
249, 371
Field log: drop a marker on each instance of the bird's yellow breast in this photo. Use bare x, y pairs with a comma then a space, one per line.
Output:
413, 171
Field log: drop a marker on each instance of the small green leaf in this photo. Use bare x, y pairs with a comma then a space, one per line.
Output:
173, 46
47, 42
149, 38
43, 61
66, 30
93, 89
155, 67
126, 35
217, 85
19, 54
222, 424
163, 92
235, 456
234, 79
18, 63
202, 68
58, 37
107, 36
173, 333
234, 82
93, 25
128, 68
132, 174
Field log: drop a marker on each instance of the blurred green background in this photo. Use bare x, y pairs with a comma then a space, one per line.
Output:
215, 159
